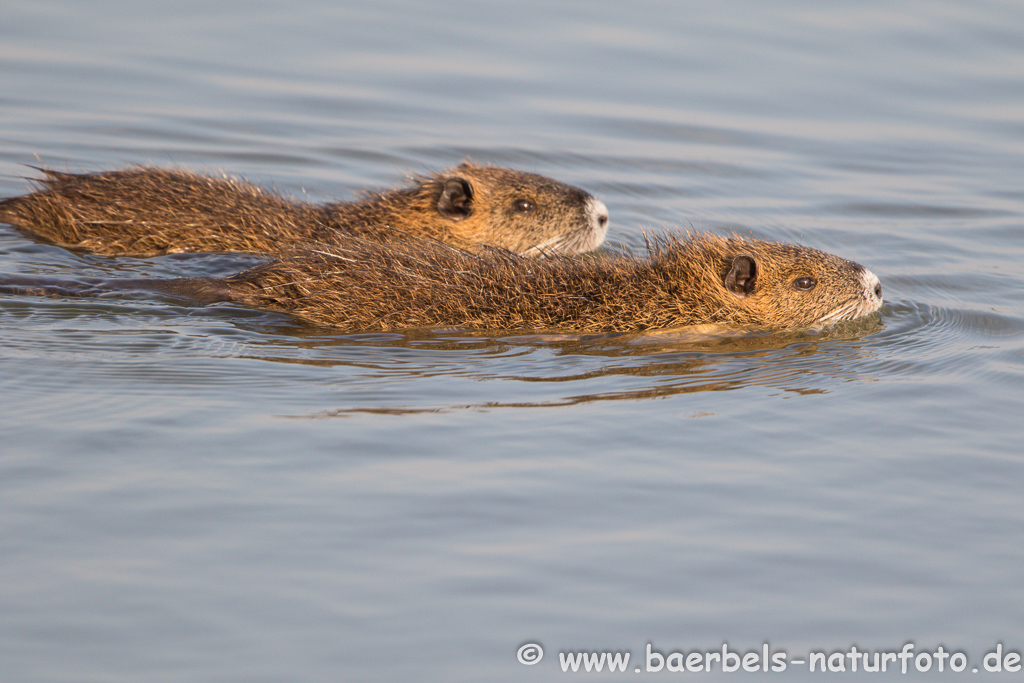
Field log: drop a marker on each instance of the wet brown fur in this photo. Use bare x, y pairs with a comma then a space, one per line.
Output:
147, 211
683, 280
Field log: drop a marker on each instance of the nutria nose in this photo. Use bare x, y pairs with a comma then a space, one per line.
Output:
599, 213
872, 284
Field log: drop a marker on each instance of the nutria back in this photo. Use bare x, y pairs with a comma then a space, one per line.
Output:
682, 280
148, 211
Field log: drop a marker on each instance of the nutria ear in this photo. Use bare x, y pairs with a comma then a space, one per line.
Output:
456, 200
742, 277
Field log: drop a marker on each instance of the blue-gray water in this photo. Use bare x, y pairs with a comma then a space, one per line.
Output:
220, 494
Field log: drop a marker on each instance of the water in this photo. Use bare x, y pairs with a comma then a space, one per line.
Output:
220, 494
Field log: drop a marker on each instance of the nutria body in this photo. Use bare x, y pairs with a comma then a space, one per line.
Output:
147, 211
683, 280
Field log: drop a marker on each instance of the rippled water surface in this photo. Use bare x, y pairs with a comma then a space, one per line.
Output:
220, 494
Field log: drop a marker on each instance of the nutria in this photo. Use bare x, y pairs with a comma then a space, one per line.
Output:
146, 211
683, 280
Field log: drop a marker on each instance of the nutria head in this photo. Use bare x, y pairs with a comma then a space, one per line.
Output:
774, 284
526, 213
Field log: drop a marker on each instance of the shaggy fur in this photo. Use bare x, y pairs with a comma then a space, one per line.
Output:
683, 280
147, 211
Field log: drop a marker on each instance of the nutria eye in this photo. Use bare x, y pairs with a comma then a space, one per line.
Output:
523, 206
804, 284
